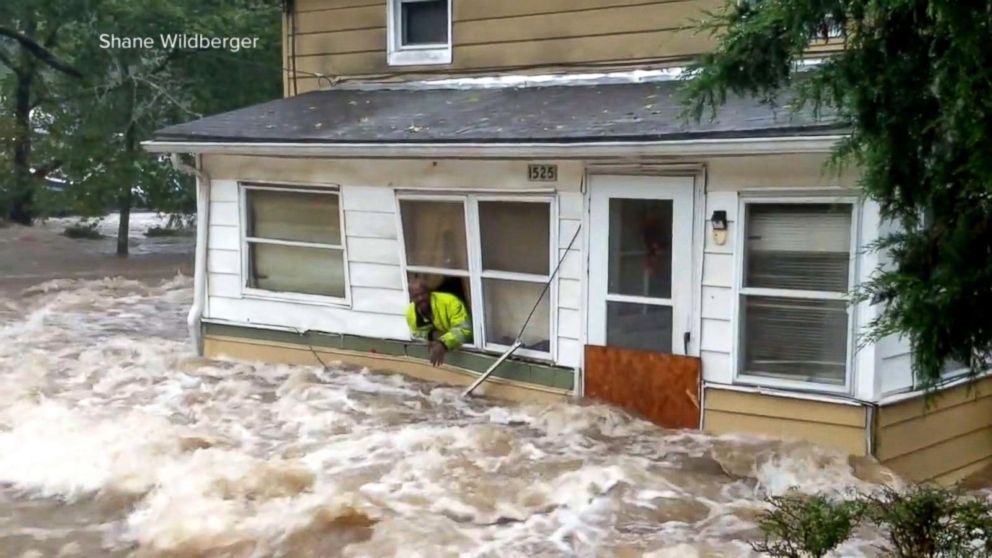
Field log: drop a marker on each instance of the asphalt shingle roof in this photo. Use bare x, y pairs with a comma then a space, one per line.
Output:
560, 113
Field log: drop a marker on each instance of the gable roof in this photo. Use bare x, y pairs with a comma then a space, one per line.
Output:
649, 111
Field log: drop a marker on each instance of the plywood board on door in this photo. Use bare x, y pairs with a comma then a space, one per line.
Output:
662, 388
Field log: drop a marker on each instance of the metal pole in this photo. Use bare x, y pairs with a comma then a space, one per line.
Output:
492, 369
518, 342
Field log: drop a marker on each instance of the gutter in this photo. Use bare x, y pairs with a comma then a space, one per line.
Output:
202, 236
528, 150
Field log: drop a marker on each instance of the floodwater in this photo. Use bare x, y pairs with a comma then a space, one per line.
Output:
115, 440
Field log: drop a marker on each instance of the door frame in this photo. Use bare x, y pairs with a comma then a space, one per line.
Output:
696, 228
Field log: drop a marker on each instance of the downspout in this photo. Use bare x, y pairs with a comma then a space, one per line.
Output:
200, 262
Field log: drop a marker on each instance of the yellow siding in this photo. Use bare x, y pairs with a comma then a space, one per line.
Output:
347, 38
945, 442
836, 425
269, 351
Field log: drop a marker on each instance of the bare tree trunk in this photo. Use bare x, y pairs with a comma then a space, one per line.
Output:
126, 197
21, 208
124, 206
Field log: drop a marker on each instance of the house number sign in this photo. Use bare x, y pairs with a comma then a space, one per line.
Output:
542, 173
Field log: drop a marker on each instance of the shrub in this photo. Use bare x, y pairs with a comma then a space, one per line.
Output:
806, 526
932, 522
920, 522
83, 229
166, 232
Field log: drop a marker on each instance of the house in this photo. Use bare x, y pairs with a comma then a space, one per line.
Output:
697, 273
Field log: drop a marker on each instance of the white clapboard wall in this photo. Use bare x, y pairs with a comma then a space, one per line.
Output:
378, 299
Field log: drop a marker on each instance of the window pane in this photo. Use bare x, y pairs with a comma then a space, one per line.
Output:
434, 234
640, 256
424, 22
639, 326
803, 247
296, 269
516, 236
294, 216
795, 339
507, 305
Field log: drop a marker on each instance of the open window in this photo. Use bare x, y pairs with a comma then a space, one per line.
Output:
293, 244
494, 254
419, 32
794, 316
436, 244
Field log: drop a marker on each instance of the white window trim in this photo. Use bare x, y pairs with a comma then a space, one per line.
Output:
739, 292
301, 298
419, 55
476, 274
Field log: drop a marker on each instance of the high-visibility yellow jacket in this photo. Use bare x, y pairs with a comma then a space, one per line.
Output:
451, 320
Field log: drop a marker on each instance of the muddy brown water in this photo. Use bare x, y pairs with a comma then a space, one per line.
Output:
115, 440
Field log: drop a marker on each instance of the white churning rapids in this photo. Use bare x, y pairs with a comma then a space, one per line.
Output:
116, 441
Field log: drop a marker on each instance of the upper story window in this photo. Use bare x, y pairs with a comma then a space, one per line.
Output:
795, 321
419, 32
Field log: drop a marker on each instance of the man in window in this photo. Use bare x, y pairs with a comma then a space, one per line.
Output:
440, 319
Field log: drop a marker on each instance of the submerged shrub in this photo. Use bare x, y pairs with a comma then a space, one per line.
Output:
154, 232
83, 229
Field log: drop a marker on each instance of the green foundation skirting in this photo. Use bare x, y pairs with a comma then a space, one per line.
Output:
513, 369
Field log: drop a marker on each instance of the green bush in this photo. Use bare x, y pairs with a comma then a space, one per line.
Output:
921, 522
806, 526
167, 231
83, 229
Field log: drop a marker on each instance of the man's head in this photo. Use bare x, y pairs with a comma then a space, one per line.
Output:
420, 294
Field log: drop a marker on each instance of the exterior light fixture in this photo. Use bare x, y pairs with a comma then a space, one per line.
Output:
719, 223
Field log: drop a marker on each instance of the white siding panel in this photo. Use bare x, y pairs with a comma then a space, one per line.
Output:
569, 352
718, 270
717, 367
374, 250
368, 198
223, 261
717, 336
224, 190
304, 317
224, 284
224, 238
570, 294
375, 275
892, 346
224, 213
380, 301
370, 225
570, 205
566, 230
718, 303
571, 266
897, 374
569, 323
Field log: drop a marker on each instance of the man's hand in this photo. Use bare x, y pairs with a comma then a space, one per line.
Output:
437, 350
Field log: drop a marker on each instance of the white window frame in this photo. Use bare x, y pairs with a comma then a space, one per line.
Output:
246, 241
398, 54
476, 274
740, 291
